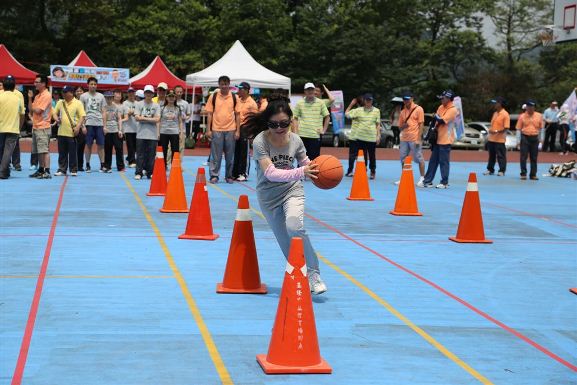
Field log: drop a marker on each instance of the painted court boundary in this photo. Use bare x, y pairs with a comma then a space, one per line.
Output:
27, 338
192, 306
444, 291
389, 308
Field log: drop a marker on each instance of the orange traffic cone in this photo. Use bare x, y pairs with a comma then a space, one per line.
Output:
175, 199
242, 273
158, 184
406, 203
294, 347
199, 224
573, 290
471, 224
360, 188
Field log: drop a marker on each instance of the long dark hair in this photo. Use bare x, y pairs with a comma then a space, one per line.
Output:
257, 122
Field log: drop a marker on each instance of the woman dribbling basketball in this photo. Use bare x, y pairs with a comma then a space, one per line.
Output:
279, 188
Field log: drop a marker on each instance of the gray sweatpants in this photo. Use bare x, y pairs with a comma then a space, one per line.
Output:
222, 141
286, 222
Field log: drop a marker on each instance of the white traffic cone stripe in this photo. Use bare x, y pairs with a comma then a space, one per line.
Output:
290, 268
160, 155
243, 215
472, 186
361, 159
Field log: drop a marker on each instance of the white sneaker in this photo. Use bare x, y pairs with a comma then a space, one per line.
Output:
138, 177
442, 186
73, 173
316, 283
59, 173
241, 178
421, 183
33, 168
132, 165
398, 182
205, 163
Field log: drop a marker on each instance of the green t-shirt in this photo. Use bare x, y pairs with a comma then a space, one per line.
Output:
366, 123
310, 117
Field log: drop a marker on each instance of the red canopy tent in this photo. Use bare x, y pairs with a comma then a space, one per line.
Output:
10, 66
83, 60
158, 72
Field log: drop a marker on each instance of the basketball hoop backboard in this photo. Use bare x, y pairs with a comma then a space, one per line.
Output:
565, 21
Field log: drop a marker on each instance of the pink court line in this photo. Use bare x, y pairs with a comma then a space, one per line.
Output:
542, 217
446, 292
374, 238
23, 355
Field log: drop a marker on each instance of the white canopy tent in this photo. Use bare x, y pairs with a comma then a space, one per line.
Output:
239, 66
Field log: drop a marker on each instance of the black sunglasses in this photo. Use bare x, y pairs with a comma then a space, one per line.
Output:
278, 124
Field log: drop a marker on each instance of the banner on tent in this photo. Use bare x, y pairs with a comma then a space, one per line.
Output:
80, 74
338, 111
460, 119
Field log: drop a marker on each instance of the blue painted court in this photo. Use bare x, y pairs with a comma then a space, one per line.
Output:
123, 301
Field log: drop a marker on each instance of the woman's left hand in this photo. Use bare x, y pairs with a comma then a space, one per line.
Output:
311, 170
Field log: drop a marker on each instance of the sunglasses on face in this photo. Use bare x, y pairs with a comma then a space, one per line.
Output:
276, 124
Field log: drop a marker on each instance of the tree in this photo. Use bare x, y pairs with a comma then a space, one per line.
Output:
517, 23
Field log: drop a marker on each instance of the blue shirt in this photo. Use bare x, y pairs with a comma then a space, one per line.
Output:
550, 115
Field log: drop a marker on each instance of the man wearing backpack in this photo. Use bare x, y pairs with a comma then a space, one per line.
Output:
223, 129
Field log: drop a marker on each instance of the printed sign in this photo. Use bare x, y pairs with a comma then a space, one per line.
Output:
460, 119
76, 74
338, 111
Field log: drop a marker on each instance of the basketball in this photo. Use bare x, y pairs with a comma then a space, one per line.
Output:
330, 172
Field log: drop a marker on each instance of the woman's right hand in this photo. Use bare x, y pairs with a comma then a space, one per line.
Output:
311, 170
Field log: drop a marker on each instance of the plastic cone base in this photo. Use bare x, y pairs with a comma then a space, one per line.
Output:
360, 199
210, 237
405, 214
322, 368
455, 239
225, 290
173, 211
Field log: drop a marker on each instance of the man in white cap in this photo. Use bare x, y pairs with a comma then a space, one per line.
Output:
161, 90
312, 120
148, 117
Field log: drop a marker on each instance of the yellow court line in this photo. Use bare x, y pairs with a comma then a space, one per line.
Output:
90, 276
194, 310
390, 308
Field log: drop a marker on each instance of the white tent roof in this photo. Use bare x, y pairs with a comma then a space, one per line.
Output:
239, 66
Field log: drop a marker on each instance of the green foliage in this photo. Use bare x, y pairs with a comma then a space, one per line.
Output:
378, 46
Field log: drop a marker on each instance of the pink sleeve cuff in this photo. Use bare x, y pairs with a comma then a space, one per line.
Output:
305, 161
275, 175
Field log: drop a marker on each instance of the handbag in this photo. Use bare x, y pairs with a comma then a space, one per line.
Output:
432, 135
189, 142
